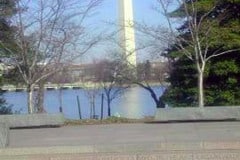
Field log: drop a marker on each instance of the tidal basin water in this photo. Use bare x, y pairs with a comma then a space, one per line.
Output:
134, 103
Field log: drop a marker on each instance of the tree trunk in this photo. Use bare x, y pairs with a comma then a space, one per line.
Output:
94, 108
160, 103
60, 99
200, 90
40, 98
30, 89
102, 105
109, 107
91, 110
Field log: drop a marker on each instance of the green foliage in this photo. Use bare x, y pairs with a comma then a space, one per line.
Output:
12, 77
183, 74
222, 73
222, 68
8, 45
223, 82
5, 109
7, 10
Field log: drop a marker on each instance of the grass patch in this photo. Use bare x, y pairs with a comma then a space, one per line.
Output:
110, 120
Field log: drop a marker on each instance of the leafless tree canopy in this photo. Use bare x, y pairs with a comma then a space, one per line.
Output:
50, 34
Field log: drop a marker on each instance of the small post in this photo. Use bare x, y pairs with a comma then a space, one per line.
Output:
60, 109
102, 106
79, 108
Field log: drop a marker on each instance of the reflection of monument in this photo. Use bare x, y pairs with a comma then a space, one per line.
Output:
132, 104
127, 36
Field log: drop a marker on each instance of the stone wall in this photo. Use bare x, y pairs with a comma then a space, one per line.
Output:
4, 135
195, 113
32, 120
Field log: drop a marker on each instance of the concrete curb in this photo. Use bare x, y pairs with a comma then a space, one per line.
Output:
32, 120
162, 155
122, 148
4, 135
197, 114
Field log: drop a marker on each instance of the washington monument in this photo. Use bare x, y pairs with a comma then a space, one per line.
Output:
127, 36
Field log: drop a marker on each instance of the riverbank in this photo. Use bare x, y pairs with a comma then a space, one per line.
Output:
110, 120
79, 85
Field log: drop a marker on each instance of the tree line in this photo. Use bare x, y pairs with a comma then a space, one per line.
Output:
201, 43
38, 38
205, 53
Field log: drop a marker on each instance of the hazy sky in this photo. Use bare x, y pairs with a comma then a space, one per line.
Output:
104, 19
108, 13
143, 10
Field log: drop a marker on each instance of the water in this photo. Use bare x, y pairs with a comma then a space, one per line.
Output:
134, 103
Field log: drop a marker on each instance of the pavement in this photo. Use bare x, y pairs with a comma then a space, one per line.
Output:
194, 141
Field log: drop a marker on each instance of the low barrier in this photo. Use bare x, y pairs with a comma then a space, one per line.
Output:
27, 121
4, 135
32, 120
198, 114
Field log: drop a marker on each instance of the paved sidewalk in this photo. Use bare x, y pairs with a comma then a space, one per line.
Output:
117, 134
171, 141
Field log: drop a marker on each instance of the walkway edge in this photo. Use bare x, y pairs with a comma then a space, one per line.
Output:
169, 155
123, 148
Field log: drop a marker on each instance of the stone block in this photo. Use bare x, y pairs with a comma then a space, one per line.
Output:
4, 135
166, 155
197, 114
192, 155
32, 120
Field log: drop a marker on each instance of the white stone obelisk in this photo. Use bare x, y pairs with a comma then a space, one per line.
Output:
127, 35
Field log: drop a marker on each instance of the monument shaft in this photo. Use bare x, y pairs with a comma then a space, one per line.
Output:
127, 35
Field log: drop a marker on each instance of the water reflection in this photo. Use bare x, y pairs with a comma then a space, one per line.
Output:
135, 103
130, 104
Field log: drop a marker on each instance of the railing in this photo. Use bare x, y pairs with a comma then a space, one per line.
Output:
51, 86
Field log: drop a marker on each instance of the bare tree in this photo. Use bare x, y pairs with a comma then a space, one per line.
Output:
50, 34
109, 79
151, 43
92, 90
59, 79
196, 47
141, 75
40, 97
150, 75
